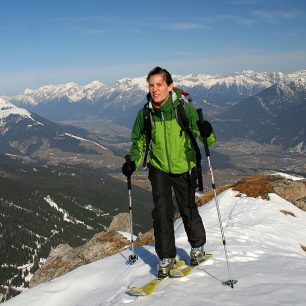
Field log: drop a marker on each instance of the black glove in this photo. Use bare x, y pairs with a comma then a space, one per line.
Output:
205, 128
128, 167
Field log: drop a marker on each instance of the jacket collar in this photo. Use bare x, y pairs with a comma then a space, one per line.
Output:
170, 104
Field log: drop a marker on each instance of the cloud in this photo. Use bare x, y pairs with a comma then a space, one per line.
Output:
185, 26
224, 63
275, 17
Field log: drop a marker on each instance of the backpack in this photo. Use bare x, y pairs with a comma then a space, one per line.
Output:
183, 122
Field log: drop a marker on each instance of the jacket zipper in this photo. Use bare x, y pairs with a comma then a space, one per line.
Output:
165, 136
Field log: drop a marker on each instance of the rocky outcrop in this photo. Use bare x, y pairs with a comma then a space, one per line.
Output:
64, 258
121, 223
292, 191
262, 185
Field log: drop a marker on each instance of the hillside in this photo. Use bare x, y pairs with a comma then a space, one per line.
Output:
267, 251
43, 206
25, 133
276, 115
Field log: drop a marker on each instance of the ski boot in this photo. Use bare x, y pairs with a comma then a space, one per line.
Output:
165, 265
197, 255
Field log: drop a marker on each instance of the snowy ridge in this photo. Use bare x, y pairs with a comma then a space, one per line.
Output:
96, 90
247, 78
72, 91
86, 140
265, 253
8, 109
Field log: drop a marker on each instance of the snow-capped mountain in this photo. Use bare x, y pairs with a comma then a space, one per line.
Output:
72, 91
247, 82
214, 93
275, 115
128, 92
26, 134
8, 109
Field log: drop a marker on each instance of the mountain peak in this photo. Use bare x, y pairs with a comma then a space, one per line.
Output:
245, 81
7, 109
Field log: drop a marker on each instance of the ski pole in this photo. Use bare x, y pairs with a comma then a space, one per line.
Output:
133, 257
231, 281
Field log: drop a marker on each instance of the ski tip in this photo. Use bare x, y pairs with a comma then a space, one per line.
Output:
230, 283
135, 291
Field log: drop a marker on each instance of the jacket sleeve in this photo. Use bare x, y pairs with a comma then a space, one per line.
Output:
193, 118
138, 140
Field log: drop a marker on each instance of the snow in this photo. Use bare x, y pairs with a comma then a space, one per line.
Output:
86, 140
288, 176
96, 90
7, 109
66, 216
265, 255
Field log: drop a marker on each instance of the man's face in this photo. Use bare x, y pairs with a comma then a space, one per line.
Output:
158, 88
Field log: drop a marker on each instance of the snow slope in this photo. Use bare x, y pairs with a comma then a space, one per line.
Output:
264, 251
7, 109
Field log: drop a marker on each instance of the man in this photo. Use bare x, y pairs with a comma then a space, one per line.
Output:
172, 161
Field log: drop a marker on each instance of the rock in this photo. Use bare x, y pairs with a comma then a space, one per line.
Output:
146, 238
120, 222
292, 191
262, 185
64, 258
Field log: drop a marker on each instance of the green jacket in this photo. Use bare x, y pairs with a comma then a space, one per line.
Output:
171, 149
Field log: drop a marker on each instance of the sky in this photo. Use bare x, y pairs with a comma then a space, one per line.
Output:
264, 253
59, 41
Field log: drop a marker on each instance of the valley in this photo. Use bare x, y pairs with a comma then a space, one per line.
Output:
230, 160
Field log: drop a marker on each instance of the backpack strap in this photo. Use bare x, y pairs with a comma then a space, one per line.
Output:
147, 131
183, 122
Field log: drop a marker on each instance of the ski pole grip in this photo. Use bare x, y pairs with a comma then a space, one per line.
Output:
129, 182
200, 114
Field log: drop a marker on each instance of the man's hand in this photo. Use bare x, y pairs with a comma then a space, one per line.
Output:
128, 167
205, 128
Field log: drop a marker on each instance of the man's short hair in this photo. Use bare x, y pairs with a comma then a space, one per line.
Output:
158, 70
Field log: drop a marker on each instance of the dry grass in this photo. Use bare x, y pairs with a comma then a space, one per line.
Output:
286, 212
146, 238
115, 240
303, 247
255, 186
207, 196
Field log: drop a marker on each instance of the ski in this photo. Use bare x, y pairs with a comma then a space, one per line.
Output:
150, 287
184, 271
180, 270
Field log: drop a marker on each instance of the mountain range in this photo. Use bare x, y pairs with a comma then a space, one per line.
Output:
215, 88
265, 107
25, 133
276, 115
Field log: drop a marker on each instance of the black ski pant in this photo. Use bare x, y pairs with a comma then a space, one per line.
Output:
184, 186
